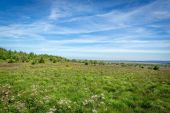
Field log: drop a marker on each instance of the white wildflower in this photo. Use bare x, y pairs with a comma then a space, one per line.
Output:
52, 110
94, 111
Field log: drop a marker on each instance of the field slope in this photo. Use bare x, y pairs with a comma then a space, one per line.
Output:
70, 87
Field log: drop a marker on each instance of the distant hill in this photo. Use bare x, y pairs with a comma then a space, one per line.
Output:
138, 62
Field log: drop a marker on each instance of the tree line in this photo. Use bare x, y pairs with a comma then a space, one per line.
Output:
16, 57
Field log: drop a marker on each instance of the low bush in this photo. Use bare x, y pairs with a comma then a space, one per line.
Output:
156, 67
54, 61
11, 61
33, 62
86, 63
41, 60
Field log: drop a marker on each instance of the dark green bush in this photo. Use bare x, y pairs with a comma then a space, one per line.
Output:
54, 61
33, 62
41, 60
51, 59
86, 63
141, 66
156, 67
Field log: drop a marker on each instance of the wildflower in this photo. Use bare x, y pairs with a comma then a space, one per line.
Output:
20, 107
102, 103
94, 97
102, 96
12, 98
65, 102
94, 111
85, 102
46, 99
18, 94
69, 106
52, 110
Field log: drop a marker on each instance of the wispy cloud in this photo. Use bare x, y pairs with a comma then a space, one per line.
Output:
85, 28
98, 22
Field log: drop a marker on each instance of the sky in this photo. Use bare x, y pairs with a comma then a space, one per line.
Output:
88, 29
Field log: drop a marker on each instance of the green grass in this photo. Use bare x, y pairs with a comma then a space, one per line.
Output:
78, 88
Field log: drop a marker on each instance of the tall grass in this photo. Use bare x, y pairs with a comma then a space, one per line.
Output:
77, 88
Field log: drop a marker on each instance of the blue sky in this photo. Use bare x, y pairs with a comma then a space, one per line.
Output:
88, 29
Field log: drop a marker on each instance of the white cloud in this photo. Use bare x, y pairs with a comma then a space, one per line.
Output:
129, 40
86, 24
104, 50
120, 19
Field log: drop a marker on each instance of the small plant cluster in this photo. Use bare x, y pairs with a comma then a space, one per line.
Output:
89, 62
41, 60
95, 103
156, 67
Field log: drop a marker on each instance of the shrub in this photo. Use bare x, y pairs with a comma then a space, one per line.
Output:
123, 64
156, 67
41, 60
24, 59
33, 62
141, 66
11, 61
86, 63
51, 59
54, 61
3, 58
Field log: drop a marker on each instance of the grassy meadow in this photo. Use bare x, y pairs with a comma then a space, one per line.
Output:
78, 87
